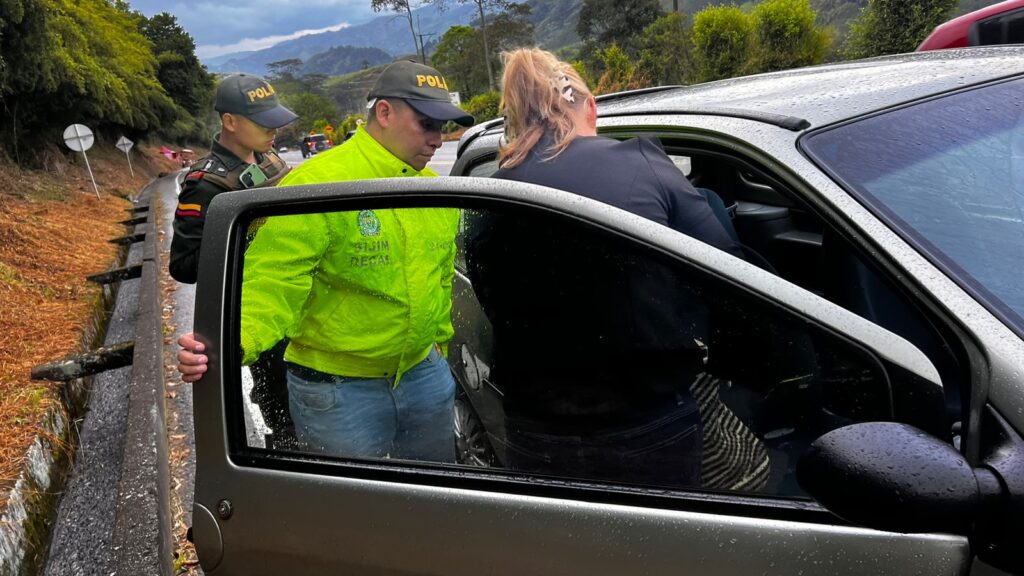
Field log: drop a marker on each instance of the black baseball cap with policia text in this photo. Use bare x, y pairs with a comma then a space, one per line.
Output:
254, 98
421, 87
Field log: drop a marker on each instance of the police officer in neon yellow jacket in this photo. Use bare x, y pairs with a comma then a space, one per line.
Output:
365, 297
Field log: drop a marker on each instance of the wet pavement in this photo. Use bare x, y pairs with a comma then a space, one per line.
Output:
82, 542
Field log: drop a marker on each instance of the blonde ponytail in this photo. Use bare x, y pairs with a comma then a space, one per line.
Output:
539, 94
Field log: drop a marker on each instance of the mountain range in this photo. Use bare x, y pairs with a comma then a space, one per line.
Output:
348, 50
344, 59
388, 32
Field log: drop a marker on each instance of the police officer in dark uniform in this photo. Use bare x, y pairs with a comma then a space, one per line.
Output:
241, 156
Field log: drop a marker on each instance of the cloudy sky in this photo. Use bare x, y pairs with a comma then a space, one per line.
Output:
224, 26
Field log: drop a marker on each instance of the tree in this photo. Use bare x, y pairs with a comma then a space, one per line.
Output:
114, 68
895, 26
310, 108
606, 22
507, 9
510, 29
314, 82
619, 72
287, 77
405, 8
314, 111
581, 68
284, 70
483, 28
350, 123
180, 73
721, 42
82, 61
666, 50
786, 36
28, 65
484, 106
459, 50
457, 57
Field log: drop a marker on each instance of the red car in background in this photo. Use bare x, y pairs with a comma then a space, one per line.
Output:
1001, 23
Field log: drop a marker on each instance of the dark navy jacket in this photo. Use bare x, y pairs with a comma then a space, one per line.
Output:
588, 329
635, 175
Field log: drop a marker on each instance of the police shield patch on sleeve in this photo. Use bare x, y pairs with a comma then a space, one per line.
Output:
369, 224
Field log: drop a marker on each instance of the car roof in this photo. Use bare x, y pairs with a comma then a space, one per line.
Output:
825, 94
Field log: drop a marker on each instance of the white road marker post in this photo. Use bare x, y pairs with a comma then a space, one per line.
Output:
79, 138
126, 145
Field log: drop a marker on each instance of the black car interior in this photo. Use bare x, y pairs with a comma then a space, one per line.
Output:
783, 233
801, 245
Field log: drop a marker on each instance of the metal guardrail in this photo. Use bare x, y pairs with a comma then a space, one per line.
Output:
141, 538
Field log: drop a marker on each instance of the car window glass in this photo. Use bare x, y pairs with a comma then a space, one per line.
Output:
681, 162
950, 173
1005, 28
556, 349
484, 169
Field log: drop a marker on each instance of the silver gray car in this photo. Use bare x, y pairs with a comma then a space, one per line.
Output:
864, 370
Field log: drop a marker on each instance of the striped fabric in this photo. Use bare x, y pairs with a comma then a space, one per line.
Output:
734, 457
189, 210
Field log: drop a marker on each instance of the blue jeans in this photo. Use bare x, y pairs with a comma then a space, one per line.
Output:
370, 418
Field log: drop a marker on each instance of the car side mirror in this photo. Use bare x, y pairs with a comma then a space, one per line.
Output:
895, 477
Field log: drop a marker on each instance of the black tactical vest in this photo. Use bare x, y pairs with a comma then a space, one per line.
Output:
214, 171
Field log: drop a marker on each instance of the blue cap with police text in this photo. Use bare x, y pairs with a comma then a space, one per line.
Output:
421, 87
254, 98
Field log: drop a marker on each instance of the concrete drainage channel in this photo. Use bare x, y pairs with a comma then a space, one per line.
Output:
109, 513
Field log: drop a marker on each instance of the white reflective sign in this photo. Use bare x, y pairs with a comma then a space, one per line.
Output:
124, 144
78, 137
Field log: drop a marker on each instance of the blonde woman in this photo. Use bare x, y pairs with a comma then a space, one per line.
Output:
595, 350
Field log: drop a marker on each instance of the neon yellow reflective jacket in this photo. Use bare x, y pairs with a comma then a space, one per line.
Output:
363, 294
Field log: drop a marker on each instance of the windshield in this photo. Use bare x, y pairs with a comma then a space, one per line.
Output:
949, 174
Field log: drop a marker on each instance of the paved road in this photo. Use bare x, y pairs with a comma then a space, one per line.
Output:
83, 533
444, 158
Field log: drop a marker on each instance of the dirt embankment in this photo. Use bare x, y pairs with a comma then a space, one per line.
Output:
53, 233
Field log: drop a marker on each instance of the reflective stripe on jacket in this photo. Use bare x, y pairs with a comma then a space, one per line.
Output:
363, 294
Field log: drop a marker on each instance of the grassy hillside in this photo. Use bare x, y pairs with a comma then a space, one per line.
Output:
54, 232
349, 90
344, 60
554, 22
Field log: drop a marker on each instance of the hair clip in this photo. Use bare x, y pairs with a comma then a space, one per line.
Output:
565, 89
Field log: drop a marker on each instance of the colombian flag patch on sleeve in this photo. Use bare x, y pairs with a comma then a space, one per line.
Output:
188, 210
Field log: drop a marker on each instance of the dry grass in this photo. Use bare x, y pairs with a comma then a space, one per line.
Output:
53, 233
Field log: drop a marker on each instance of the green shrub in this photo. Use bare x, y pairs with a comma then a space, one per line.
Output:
483, 107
